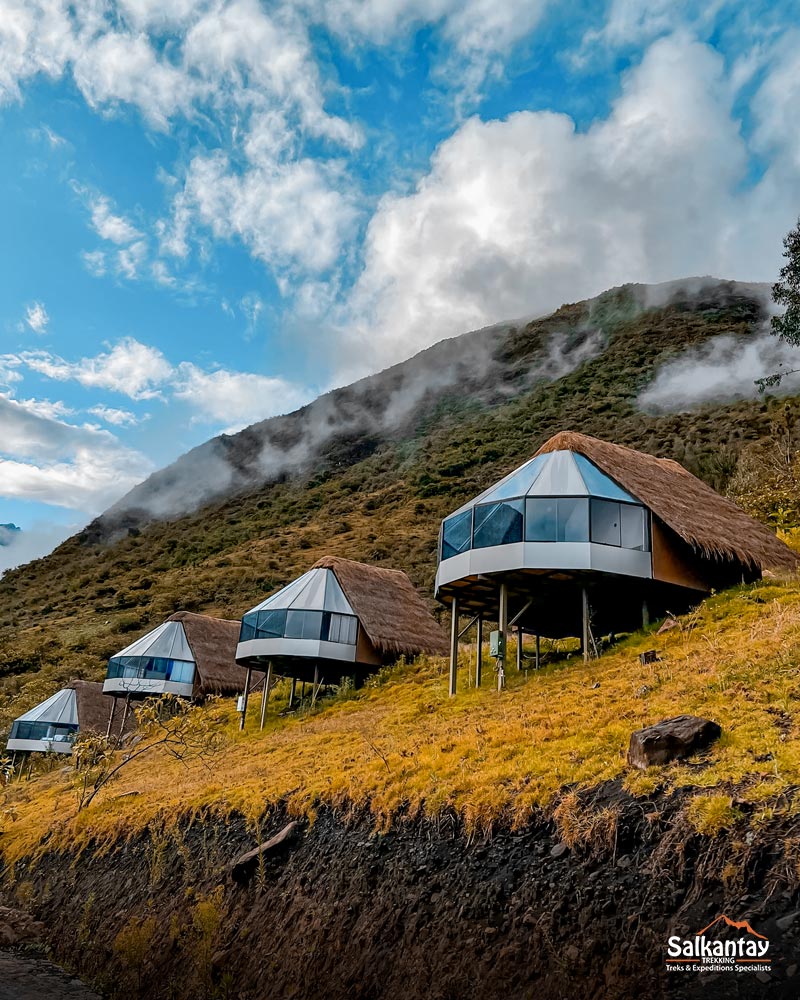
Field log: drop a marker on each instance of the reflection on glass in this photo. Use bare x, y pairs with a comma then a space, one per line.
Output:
497, 524
605, 522
151, 668
456, 534
541, 520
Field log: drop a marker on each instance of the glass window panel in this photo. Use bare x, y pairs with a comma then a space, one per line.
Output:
498, 524
634, 528
342, 628
605, 522
456, 533
303, 624
518, 483
541, 520
270, 624
598, 483
573, 520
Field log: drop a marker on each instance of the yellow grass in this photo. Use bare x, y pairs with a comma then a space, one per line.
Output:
400, 745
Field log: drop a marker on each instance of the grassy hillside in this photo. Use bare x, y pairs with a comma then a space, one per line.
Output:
402, 747
379, 497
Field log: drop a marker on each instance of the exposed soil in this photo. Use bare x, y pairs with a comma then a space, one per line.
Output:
26, 977
343, 912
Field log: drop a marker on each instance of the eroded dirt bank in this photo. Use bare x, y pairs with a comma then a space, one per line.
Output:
342, 912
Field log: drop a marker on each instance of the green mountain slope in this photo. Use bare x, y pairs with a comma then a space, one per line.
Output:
368, 472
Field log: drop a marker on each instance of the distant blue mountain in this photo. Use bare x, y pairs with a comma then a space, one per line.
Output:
8, 533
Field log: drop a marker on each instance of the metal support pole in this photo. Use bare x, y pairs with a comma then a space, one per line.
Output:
537, 650
265, 699
125, 715
292, 692
519, 647
316, 685
479, 652
111, 717
645, 614
453, 646
502, 626
585, 623
245, 697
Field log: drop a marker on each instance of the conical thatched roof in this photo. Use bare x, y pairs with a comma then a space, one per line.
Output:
390, 610
213, 644
707, 521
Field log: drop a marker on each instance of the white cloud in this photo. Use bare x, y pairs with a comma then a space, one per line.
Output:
236, 399
130, 367
95, 262
35, 541
482, 33
36, 317
108, 226
518, 216
725, 368
46, 459
284, 213
119, 418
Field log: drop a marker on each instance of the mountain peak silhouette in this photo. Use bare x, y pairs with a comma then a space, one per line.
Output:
739, 925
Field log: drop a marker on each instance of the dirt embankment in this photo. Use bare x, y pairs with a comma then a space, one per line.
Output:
338, 911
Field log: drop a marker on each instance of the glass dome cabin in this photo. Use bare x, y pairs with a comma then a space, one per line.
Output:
161, 662
306, 630
588, 538
188, 655
342, 618
53, 725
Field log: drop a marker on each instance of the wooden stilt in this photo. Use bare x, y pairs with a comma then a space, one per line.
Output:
478, 652
111, 718
585, 624
645, 614
538, 648
453, 646
245, 697
125, 715
316, 686
292, 691
519, 647
502, 625
265, 699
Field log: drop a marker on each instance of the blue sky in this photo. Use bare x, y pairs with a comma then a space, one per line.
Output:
213, 211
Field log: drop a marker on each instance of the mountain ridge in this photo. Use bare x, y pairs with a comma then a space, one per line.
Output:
381, 473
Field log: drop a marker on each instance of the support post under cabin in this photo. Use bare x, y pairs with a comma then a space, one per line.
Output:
538, 649
265, 699
645, 614
111, 718
520, 634
292, 692
453, 646
245, 697
125, 715
585, 624
315, 686
502, 627
478, 651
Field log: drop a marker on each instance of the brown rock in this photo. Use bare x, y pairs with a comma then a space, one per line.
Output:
671, 739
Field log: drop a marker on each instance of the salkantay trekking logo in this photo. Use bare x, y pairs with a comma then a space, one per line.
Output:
748, 953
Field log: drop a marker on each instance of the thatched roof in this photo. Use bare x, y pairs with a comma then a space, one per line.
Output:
213, 644
390, 610
709, 522
94, 708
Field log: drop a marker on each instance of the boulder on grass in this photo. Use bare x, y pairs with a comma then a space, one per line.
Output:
671, 739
